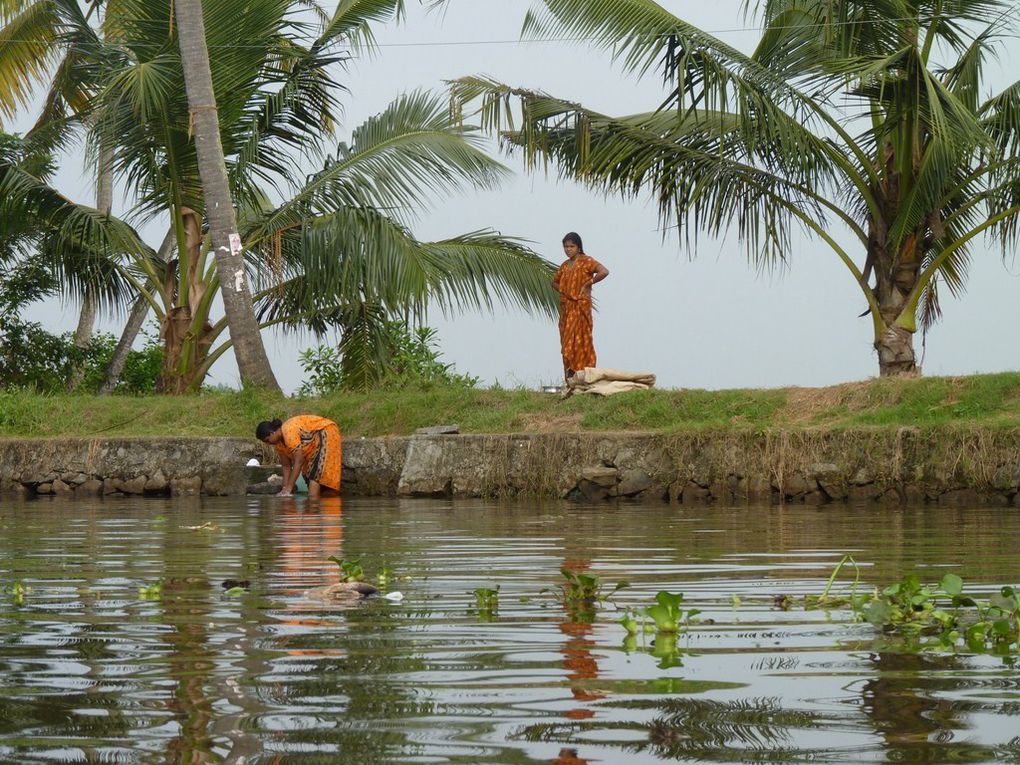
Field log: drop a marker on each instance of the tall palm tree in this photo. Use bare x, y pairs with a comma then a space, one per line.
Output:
333, 248
865, 114
252, 361
57, 43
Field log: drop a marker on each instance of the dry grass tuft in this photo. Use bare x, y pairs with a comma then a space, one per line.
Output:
812, 404
539, 422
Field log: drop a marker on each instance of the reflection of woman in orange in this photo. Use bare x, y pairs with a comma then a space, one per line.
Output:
306, 445
578, 658
307, 534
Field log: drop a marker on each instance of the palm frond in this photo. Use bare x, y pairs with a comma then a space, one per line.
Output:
351, 22
27, 51
696, 167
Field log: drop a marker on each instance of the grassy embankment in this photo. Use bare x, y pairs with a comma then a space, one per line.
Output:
987, 401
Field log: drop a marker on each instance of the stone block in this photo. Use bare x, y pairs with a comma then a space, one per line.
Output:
44, 488
695, 494
606, 477
835, 490
862, 477
35, 476
135, 485
223, 481
264, 487
157, 483
862, 493
61, 489
721, 490
1006, 478
182, 487
796, 485
591, 491
816, 498
90, 488
824, 470
112, 486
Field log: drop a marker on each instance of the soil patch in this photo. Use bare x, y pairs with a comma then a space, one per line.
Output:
541, 423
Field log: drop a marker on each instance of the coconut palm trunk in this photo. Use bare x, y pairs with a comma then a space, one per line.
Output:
252, 361
104, 203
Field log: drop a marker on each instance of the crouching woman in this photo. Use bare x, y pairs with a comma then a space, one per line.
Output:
307, 445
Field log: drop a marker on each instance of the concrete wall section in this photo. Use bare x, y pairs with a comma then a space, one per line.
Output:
906, 465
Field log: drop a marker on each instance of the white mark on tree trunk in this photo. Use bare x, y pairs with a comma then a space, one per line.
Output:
238, 280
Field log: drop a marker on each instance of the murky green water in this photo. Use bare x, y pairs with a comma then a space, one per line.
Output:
93, 671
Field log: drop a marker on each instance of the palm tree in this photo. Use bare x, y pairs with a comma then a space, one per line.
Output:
252, 361
56, 42
338, 249
915, 168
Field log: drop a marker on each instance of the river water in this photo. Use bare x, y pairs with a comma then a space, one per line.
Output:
119, 643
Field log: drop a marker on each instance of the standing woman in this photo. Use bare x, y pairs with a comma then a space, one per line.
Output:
307, 445
573, 281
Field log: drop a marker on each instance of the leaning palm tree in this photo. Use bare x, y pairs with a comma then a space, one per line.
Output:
277, 101
862, 114
252, 361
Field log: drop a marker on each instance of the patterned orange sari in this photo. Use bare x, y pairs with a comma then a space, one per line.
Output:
573, 282
320, 442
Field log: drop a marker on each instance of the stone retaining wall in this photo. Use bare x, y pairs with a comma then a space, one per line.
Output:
895, 466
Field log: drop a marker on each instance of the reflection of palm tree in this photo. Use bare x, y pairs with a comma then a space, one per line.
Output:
909, 718
687, 729
191, 658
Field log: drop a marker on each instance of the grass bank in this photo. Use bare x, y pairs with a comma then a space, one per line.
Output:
991, 401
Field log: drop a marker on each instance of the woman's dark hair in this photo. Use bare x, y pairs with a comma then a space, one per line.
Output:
575, 238
265, 428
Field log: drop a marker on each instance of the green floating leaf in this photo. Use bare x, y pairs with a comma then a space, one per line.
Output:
951, 584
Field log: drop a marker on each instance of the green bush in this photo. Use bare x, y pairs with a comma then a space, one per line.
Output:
411, 360
34, 359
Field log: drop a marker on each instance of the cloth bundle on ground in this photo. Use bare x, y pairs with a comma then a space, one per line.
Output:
605, 382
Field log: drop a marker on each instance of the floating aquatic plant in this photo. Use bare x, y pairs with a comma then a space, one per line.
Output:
586, 588
486, 602
152, 591
931, 616
668, 613
17, 592
350, 570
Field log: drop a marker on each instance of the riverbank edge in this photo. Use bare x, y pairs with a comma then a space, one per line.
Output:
955, 466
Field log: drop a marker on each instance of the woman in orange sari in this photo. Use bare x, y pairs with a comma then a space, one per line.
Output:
573, 281
307, 445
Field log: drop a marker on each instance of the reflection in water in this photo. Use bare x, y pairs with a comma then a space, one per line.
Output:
92, 672
915, 723
579, 658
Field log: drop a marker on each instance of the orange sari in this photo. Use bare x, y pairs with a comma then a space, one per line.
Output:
573, 282
320, 442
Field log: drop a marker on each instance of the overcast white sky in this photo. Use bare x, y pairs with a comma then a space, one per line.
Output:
703, 319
